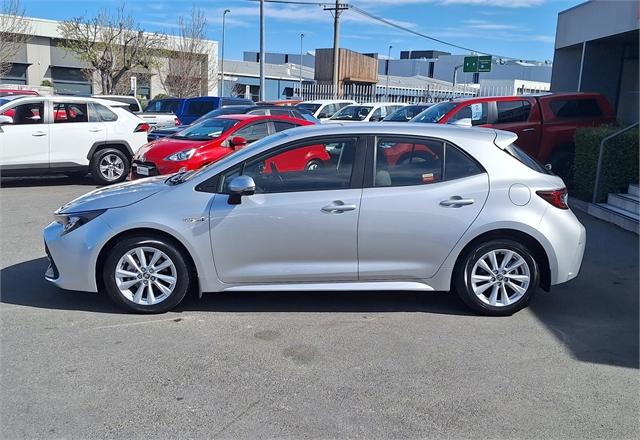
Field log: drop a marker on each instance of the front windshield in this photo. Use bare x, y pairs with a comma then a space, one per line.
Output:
434, 113
309, 107
248, 149
352, 113
405, 113
229, 110
206, 130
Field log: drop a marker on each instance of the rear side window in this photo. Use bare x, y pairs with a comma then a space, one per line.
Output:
281, 125
69, 112
163, 106
575, 108
458, 165
524, 158
513, 111
199, 108
103, 112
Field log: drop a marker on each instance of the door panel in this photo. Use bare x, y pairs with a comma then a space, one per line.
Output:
26, 141
73, 134
285, 237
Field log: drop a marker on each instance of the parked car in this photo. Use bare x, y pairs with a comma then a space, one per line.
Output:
406, 113
481, 218
172, 112
70, 135
232, 110
132, 101
371, 112
18, 92
545, 124
281, 102
206, 142
323, 109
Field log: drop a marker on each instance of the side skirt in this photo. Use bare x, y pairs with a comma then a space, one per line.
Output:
353, 286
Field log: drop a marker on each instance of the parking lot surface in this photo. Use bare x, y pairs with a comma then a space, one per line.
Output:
323, 365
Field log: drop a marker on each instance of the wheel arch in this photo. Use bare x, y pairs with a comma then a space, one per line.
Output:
538, 250
120, 145
150, 232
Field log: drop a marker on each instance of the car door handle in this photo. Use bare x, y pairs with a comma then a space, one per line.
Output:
39, 133
95, 130
529, 129
457, 202
337, 207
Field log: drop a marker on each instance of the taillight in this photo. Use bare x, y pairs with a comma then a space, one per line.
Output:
177, 121
557, 197
144, 127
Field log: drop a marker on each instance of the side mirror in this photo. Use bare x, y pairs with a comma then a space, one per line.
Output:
4, 120
548, 167
237, 141
464, 122
241, 186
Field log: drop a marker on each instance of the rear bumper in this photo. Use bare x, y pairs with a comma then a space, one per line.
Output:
568, 238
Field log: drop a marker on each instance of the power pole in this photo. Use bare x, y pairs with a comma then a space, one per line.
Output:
337, 10
262, 80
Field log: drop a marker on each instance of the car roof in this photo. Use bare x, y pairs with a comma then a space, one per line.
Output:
377, 104
244, 117
326, 101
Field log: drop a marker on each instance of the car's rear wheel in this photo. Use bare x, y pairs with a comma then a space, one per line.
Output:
109, 166
498, 277
146, 275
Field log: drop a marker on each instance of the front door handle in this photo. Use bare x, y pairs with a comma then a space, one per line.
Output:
95, 130
528, 129
338, 207
39, 133
456, 202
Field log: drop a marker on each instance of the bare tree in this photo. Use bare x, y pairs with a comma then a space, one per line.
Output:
14, 32
187, 73
112, 46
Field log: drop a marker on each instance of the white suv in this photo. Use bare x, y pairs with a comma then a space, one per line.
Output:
70, 135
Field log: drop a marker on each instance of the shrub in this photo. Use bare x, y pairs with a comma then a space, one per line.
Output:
619, 161
46, 83
161, 96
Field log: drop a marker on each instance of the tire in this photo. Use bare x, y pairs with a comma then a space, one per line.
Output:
478, 294
562, 165
125, 291
313, 164
117, 163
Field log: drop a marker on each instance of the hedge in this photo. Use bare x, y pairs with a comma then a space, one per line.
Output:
619, 162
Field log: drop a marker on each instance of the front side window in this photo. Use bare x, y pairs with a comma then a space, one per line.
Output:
352, 113
477, 113
513, 111
29, 113
311, 166
407, 162
64, 112
254, 132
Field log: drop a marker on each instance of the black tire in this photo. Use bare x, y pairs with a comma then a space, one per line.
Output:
183, 274
462, 278
99, 156
313, 164
562, 165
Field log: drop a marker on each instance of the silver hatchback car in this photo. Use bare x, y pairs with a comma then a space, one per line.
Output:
354, 207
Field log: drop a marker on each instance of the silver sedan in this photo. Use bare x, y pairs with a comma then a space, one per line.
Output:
383, 207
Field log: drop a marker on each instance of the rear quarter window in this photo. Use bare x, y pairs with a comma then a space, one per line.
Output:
527, 160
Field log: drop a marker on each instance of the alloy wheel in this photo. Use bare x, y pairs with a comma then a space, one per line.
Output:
500, 277
111, 167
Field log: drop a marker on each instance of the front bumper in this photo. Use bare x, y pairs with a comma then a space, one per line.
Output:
73, 256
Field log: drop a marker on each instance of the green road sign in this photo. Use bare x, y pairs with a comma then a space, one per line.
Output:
484, 64
470, 64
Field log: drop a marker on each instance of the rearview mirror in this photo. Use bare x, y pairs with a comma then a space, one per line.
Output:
237, 141
241, 186
4, 120
464, 122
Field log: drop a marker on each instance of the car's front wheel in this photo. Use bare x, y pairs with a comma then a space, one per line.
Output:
498, 277
146, 274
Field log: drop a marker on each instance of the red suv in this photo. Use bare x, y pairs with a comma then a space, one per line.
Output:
213, 139
545, 124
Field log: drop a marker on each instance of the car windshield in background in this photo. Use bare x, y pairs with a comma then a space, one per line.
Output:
229, 110
435, 112
405, 113
352, 113
206, 130
3, 101
165, 106
310, 107
529, 161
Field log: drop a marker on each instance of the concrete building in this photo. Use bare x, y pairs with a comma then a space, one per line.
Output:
596, 50
42, 58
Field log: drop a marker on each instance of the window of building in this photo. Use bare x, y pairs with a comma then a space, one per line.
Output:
17, 74
70, 81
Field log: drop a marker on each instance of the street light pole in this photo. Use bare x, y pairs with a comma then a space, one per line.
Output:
262, 80
386, 98
300, 91
224, 15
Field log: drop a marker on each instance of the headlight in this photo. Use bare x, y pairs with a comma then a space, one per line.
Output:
182, 155
73, 221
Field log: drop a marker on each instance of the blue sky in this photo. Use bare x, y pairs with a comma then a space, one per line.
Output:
522, 29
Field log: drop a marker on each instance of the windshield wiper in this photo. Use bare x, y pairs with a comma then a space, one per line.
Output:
178, 177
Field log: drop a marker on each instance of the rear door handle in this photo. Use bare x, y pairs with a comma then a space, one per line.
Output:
457, 202
529, 129
39, 133
95, 130
337, 207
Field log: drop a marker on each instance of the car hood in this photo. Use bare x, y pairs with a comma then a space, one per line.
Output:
115, 196
161, 148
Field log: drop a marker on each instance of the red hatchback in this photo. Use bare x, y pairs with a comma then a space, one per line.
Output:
210, 141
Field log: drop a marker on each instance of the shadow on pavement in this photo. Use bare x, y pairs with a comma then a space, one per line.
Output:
24, 284
57, 180
596, 315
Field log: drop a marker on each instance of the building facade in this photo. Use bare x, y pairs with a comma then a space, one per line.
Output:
42, 58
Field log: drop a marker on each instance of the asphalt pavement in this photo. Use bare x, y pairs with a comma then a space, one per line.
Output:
323, 365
